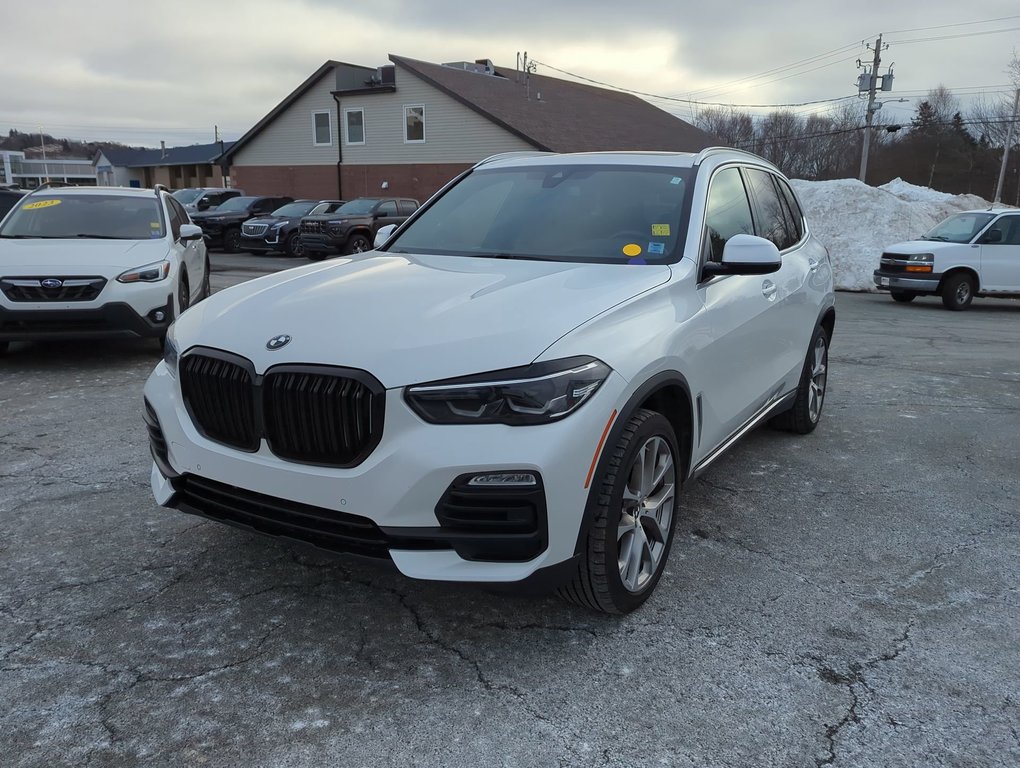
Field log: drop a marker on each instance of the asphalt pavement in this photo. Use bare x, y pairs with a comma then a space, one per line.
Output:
847, 598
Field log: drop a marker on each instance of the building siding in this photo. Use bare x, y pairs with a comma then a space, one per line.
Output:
453, 133
287, 140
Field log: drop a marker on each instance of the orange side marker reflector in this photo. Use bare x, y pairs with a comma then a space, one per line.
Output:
598, 450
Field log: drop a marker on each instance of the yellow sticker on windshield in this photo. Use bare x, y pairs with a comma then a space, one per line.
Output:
154, 224
660, 230
632, 250
40, 204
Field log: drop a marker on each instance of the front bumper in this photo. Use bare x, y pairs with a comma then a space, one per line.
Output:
393, 503
898, 281
111, 320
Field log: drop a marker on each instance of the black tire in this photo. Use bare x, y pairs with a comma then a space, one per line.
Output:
232, 240
903, 297
292, 246
183, 293
598, 583
206, 281
958, 291
357, 244
803, 417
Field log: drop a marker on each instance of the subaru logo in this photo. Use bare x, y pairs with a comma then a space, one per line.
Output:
51, 282
278, 342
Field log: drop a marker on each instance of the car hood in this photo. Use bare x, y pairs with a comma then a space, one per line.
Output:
409, 318
64, 258
225, 215
924, 246
270, 220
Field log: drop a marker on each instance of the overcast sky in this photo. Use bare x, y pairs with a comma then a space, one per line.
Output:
138, 71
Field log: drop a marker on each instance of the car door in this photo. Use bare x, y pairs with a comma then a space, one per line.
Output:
792, 317
191, 253
735, 364
385, 213
1000, 261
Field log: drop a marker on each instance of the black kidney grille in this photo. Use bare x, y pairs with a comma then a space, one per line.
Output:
317, 418
220, 396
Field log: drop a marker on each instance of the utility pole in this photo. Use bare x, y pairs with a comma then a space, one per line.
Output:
42, 145
1005, 149
870, 114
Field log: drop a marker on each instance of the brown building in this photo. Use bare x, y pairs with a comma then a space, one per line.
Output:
196, 165
408, 127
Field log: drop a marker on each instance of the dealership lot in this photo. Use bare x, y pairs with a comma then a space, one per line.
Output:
845, 598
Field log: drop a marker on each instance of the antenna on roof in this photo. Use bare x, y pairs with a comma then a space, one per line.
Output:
517, 69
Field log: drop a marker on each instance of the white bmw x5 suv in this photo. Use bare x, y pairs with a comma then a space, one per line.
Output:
97, 262
515, 385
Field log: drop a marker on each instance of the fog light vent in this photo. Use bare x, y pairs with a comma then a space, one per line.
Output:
503, 480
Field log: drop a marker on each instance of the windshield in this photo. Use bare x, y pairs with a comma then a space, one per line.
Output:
185, 196
235, 204
327, 207
960, 228
114, 217
611, 214
358, 207
294, 209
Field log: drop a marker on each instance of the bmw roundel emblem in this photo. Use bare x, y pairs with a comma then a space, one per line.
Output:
278, 342
51, 282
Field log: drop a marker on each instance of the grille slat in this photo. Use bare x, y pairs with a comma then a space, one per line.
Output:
69, 288
310, 414
254, 230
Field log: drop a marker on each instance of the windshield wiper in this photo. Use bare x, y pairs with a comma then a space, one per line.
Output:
98, 237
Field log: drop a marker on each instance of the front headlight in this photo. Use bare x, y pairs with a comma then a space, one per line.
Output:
279, 225
150, 273
920, 262
170, 351
537, 394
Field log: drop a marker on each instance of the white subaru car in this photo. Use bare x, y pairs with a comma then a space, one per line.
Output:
92, 262
515, 385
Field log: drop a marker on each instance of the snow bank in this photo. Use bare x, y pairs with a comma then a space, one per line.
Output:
856, 222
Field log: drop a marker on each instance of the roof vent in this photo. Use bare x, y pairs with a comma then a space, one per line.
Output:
479, 67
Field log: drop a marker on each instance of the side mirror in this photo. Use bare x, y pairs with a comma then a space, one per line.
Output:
383, 234
992, 236
746, 255
203, 204
190, 232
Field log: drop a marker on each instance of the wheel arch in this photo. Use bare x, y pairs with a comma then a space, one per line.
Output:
667, 393
952, 271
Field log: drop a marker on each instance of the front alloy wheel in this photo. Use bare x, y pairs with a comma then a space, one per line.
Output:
634, 510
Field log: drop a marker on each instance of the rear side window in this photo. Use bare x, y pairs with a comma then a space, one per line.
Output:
388, 208
792, 207
773, 223
175, 218
728, 212
407, 207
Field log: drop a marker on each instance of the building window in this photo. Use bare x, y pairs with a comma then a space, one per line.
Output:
355, 125
414, 124
322, 129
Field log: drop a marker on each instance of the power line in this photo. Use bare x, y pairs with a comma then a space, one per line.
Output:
953, 37
958, 24
679, 100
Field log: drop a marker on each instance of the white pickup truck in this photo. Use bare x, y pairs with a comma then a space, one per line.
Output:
974, 253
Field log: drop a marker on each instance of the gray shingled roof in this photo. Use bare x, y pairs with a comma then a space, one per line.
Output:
196, 154
570, 117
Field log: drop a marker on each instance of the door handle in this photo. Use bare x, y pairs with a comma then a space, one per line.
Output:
813, 264
768, 290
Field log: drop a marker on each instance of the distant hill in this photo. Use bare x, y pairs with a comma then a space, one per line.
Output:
32, 145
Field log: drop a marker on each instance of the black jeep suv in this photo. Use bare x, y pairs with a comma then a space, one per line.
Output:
222, 225
279, 230
352, 227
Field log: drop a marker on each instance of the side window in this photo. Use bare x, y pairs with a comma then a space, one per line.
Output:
727, 213
407, 207
175, 218
355, 119
414, 124
322, 129
792, 208
387, 208
264, 206
1010, 228
772, 223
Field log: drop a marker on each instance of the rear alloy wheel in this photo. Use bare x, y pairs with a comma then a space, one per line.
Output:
903, 297
632, 531
357, 244
958, 291
803, 417
232, 240
292, 246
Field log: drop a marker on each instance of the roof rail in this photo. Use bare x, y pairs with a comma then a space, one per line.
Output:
157, 188
49, 185
709, 151
518, 153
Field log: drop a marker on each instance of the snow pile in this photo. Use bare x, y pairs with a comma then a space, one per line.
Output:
857, 222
